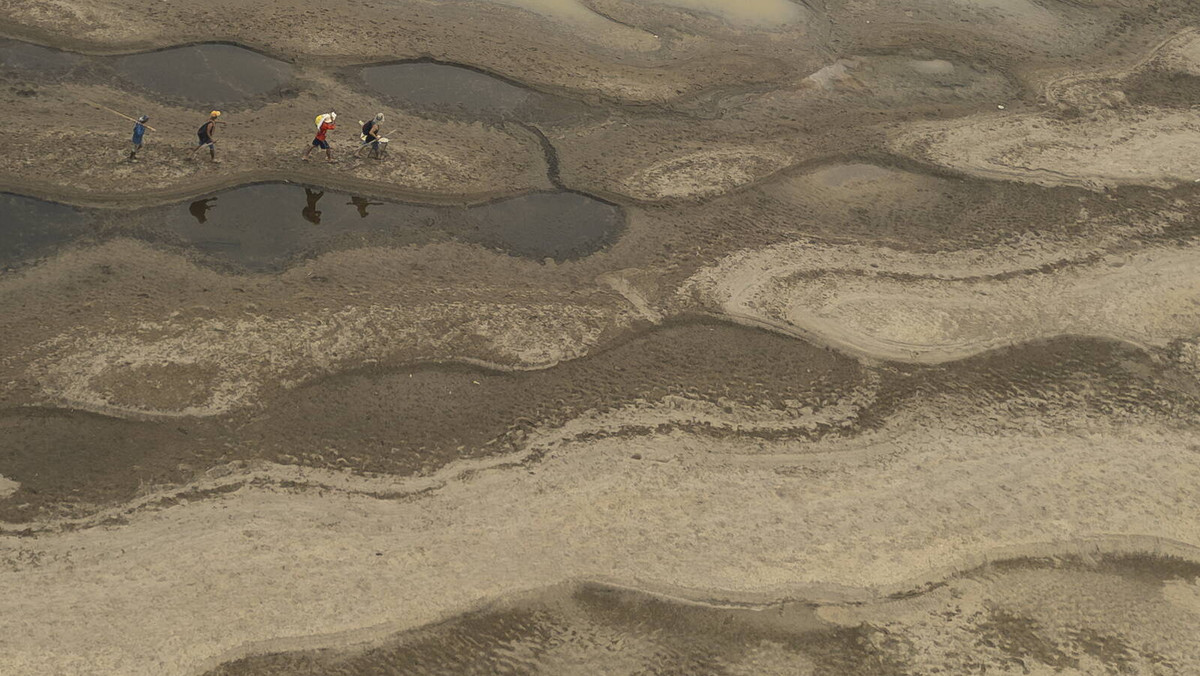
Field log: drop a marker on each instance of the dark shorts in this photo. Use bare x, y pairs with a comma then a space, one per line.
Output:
323, 145
205, 140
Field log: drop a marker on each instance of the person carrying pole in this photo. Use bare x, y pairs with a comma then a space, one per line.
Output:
370, 137
139, 127
139, 132
205, 134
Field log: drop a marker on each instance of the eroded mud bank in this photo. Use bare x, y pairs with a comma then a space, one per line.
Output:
1068, 613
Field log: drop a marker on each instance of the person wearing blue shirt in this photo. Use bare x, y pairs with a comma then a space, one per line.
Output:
139, 131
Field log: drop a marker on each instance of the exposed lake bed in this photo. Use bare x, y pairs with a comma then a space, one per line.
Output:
684, 336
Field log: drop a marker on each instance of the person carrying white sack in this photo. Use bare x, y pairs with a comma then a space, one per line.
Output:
325, 124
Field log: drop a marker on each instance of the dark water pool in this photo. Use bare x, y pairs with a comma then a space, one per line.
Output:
24, 57
266, 227
455, 90
31, 228
211, 74
208, 75
263, 227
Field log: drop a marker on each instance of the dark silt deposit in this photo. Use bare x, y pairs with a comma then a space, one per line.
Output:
1156, 87
32, 228
262, 228
596, 629
430, 87
406, 419
410, 418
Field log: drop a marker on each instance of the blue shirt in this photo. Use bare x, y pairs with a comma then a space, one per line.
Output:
139, 130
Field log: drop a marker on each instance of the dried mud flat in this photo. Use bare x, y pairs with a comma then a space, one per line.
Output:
676, 337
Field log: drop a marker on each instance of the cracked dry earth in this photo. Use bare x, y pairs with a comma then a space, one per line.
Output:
672, 337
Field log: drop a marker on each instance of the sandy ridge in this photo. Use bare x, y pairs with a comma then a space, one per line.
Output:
585, 509
846, 298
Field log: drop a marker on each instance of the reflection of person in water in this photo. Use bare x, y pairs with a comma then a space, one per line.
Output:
362, 203
200, 208
310, 212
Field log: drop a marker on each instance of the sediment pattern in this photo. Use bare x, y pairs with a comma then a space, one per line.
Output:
1017, 614
684, 336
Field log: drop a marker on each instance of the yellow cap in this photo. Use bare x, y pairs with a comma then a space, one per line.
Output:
215, 113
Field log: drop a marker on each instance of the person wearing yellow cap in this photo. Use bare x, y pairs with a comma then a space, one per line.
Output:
206, 132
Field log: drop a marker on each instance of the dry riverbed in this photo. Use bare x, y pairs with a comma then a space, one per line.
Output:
681, 336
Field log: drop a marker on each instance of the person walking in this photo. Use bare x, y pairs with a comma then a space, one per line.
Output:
205, 134
370, 137
200, 208
139, 132
325, 126
361, 203
310, 212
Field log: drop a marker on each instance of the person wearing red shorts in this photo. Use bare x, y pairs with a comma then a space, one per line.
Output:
321, 141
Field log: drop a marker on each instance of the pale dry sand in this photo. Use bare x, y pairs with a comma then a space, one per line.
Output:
1104, 142
940, 307
163, 594
7, 487
1139, 147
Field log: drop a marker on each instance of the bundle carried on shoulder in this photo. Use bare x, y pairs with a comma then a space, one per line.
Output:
325, 117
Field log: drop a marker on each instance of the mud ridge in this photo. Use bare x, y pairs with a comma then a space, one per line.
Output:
553, 172
782, 619
414, 419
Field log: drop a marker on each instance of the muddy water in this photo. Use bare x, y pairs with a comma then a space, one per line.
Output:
213, 75
455, 90
24, 57
31, 229
262, 228
265, 227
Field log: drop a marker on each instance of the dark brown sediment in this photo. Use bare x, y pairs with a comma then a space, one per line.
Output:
413, 419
